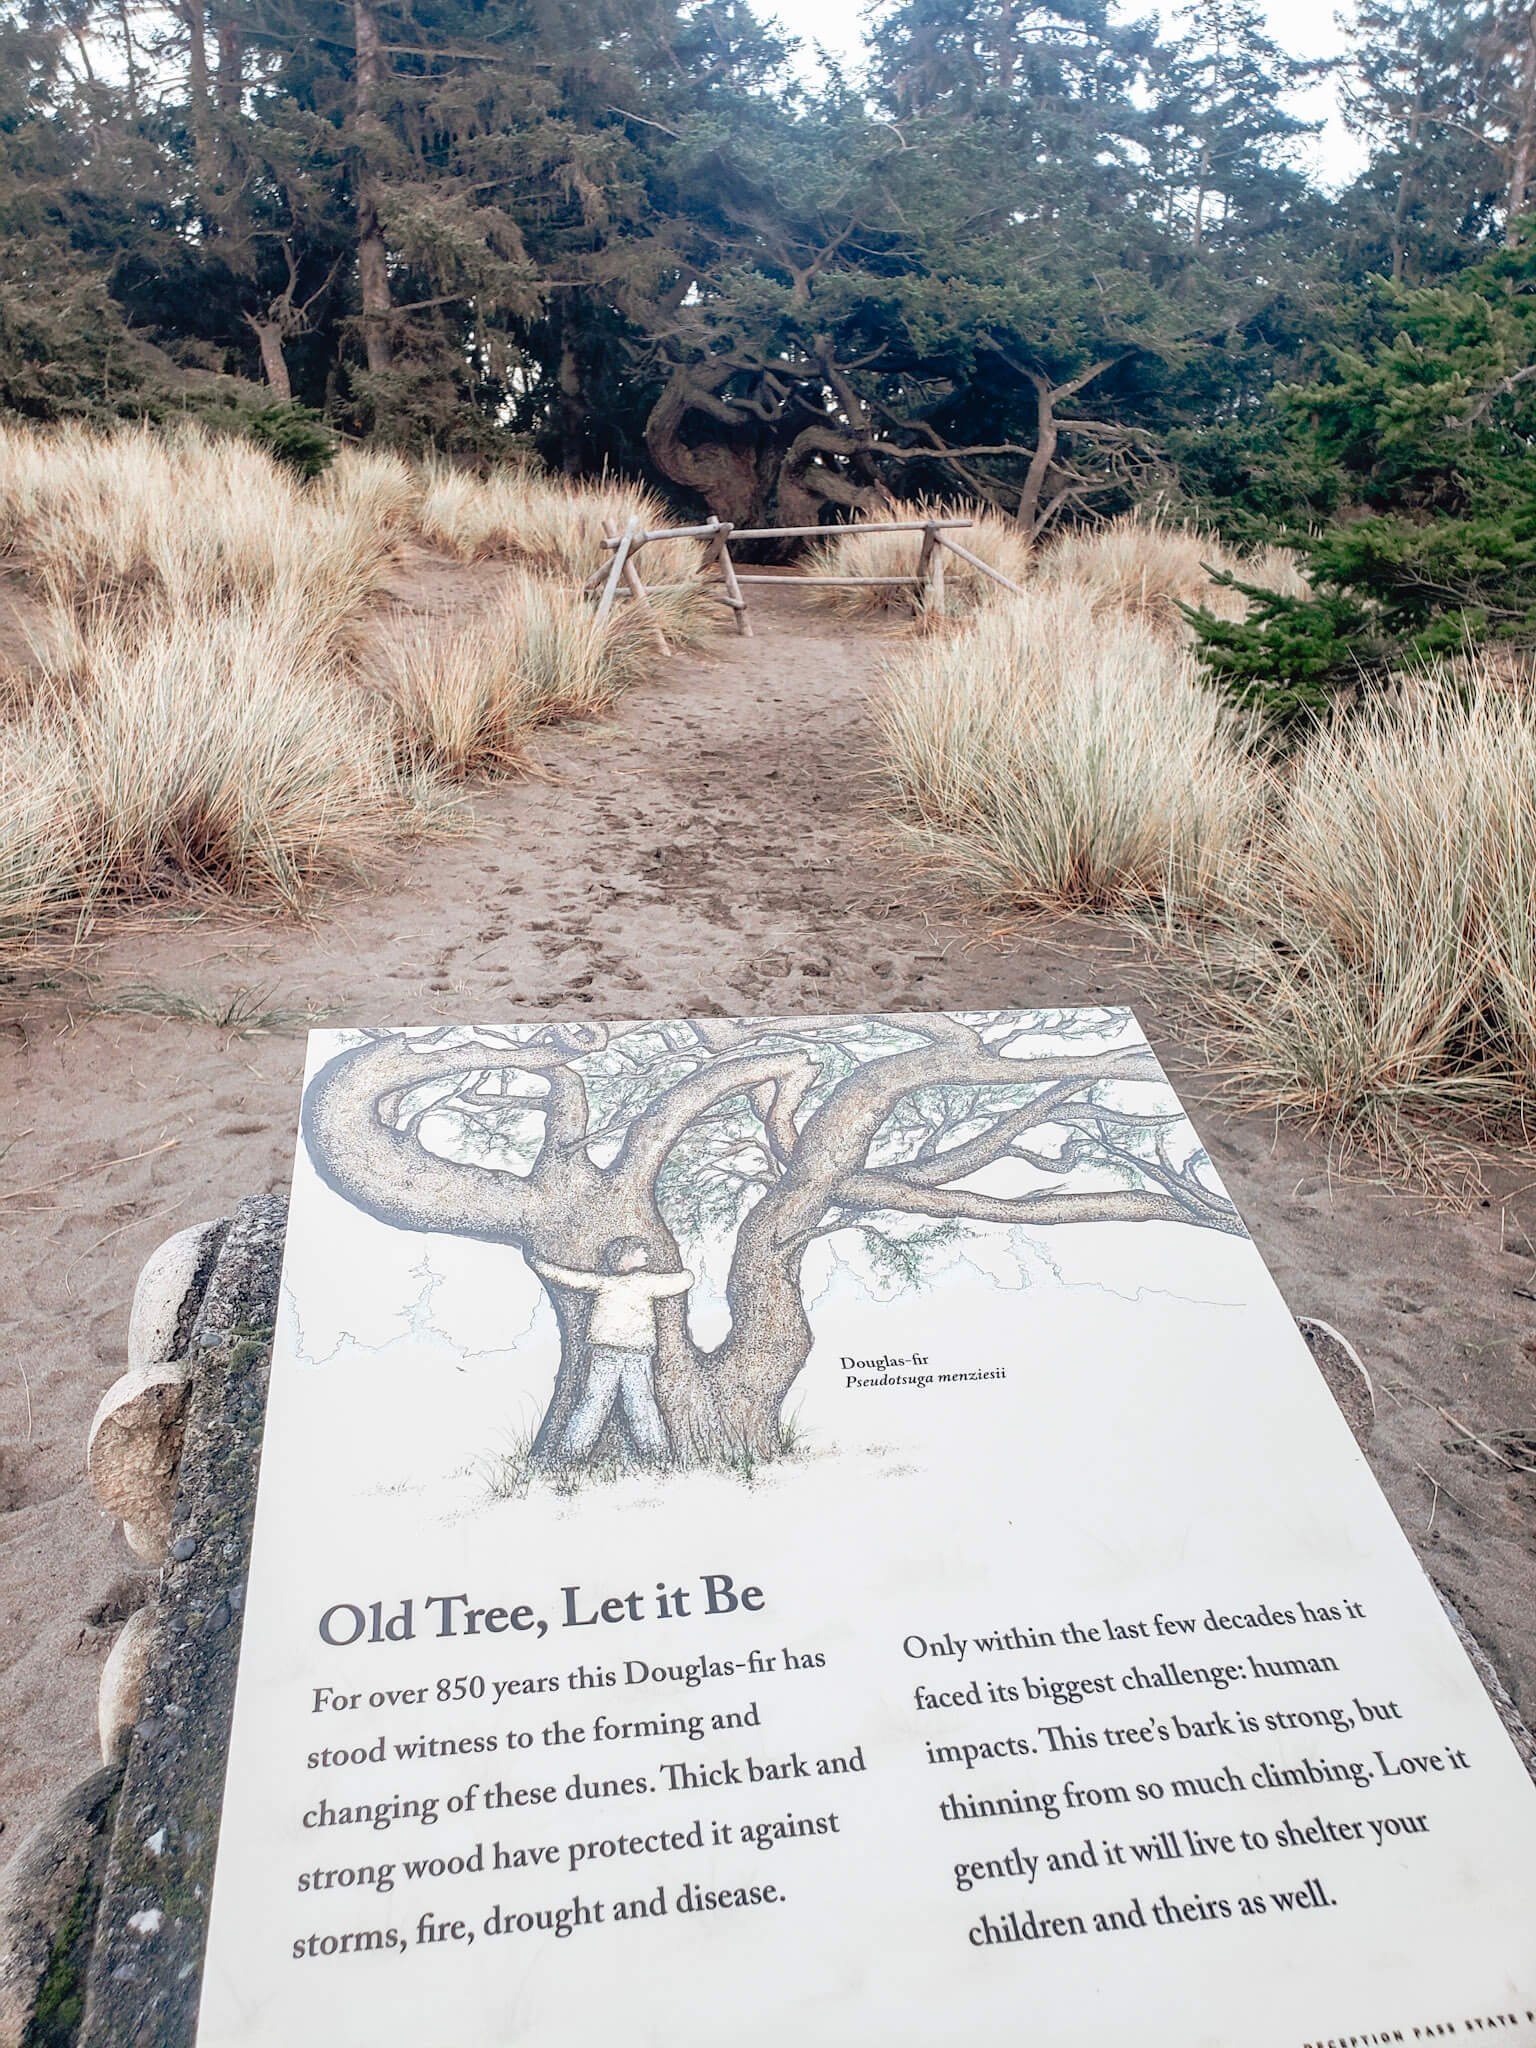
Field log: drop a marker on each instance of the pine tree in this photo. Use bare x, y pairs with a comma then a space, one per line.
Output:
1432, 430
1420, 91
1226, 146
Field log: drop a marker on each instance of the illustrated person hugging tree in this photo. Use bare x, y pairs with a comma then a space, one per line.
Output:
621, 1347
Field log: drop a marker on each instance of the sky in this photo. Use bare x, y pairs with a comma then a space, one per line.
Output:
1307, 28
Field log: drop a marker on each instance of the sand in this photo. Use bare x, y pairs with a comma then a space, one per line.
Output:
714, 848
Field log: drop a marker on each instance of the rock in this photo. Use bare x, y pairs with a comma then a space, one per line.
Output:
122, 1683
1342, 1367
145, 1543
170, 1286
134, 1449
48, 1897
144, 1973
135, 1438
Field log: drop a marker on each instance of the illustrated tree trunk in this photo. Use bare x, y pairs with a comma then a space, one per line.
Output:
361, 1124
372, 252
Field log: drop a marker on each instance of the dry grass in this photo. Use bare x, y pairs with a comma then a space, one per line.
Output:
546, 523
857, 551
199, 708
465, 697
1145, 569
208, 750
383, 489
1377, 959
1132, 567
38, 855
1361, 912
153, 524
558, 529
1057, 759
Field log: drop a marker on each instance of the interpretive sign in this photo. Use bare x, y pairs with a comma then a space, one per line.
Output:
817, 1530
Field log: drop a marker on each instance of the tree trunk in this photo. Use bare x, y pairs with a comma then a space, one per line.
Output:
1407, 188
1198, 237
570, 412
230, 83
130, 58
199, 113
727, 468
372, 254
1046, 438
1525, 138
269, 339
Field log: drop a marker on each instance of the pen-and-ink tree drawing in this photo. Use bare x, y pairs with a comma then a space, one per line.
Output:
598, 1151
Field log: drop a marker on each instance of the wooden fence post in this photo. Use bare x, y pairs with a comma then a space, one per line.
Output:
620, 557
932, 561
733, 594
634, 582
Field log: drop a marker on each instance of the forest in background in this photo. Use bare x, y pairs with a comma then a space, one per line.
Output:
1041, 253
1042, 258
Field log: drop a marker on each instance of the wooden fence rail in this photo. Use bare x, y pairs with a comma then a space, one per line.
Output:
718, 535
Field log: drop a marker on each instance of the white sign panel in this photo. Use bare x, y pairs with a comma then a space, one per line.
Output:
823, 1530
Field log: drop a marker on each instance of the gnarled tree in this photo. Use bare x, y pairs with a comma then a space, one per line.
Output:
555, 1141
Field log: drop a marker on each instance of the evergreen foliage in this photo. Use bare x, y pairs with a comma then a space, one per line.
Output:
1039, 253
1430, 435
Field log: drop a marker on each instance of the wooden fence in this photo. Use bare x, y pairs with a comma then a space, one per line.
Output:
717, 536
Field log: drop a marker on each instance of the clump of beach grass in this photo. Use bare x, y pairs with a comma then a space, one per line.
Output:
1147, 569
863, 548
465, 697
202, 706
209, 751
551, 524
1376, 958
1058, 760
185, 523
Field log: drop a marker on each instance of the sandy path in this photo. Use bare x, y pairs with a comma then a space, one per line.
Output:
713, 850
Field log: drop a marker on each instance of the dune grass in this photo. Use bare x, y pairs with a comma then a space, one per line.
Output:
1146, 569
207, 750
855, 550
205, 705
464, 697
1058, 760
151, 523
1355, 918
546, 523
1376, 959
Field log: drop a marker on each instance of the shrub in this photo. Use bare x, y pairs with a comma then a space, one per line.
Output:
294, 435
1425, 429
1059, 759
